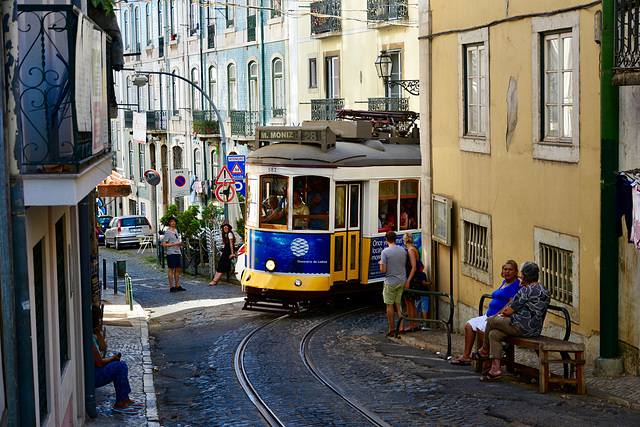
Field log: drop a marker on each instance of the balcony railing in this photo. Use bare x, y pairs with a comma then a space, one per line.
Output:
205, 123
627, 35
156, 120
56, 126
388, 104
251, 28
326, 109
385, 10
325, 16
277, 113
244, 122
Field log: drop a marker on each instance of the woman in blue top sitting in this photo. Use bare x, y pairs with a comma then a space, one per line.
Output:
501, 297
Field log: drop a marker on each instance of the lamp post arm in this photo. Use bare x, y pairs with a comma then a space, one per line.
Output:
411, 86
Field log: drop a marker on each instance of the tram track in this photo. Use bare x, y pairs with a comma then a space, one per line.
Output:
268, 413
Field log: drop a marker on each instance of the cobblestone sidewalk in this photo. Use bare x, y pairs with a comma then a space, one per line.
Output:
127, 333
622, 390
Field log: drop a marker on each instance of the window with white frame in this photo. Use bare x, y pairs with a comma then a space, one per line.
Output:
396, 74
131, 166
136, 30
127, 34
232, 87
476, 241
172, 17
313, 73
197, 163
160, 19
141, 162
213, 84
174, 95
193, 19
278, 88
230, 13
253, 86
557, 255
148, 23
555, 80
150, 97
333, 76
473, 77
143, 209
195, 94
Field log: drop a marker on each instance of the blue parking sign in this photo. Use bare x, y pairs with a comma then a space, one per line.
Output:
240, 190
236, 166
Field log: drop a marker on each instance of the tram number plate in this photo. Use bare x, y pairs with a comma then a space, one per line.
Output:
311, 136
291, 135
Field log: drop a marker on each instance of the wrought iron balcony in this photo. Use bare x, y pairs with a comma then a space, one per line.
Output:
205, 123
385, 10
156, 120
244, 122
251, 28
627, 36
57, 128
325, 16
388, 104
326, 109
277, 113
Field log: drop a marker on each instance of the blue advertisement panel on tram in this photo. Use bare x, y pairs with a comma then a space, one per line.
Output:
377, 246
294, 253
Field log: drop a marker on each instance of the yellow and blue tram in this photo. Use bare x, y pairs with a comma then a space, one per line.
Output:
320, 198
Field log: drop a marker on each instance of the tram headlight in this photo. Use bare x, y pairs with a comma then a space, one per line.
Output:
298, 282
271, 265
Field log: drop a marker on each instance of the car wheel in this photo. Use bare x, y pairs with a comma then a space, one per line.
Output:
118, 246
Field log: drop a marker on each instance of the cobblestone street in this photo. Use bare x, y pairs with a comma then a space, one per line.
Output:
193, 336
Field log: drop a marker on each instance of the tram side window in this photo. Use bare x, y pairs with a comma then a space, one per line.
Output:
340, 215
409, 218
273, 194
387, 206
317, 197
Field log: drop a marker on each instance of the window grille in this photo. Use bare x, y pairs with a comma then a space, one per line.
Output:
476, 248
556, 272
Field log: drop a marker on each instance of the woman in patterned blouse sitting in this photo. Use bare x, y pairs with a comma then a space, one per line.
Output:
523, 317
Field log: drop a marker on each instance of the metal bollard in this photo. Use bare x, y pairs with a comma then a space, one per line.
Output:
104, 273
128, 291
115, 278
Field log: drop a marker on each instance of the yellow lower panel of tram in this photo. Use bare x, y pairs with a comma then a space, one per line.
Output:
285, 282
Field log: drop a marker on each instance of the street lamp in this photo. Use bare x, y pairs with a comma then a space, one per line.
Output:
384, 67
141, 79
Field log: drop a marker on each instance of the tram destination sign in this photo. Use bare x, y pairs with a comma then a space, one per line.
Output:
320, 135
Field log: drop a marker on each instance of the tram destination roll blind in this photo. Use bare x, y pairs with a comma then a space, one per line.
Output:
320, 135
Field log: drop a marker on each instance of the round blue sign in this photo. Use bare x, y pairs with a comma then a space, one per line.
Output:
181, 181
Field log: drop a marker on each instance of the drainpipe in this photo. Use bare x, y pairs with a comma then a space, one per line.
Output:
264, 98
85, 292
16, 313
609, 361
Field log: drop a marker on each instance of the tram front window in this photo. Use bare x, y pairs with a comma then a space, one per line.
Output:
387, 206
273, 193
317, 197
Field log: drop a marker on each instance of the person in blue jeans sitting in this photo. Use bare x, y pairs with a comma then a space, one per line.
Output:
111, 370
501, 297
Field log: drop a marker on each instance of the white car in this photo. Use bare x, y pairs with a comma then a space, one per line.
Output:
124, 230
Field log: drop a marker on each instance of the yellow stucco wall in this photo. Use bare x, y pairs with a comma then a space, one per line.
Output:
516, 190
357, 45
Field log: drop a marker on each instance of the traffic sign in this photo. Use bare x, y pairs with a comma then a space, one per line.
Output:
225, 193
240, 188
179, 186
236, 166
224, 177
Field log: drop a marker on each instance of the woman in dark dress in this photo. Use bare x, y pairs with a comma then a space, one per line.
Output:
224, 266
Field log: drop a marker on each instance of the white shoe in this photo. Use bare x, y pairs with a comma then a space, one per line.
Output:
425, 328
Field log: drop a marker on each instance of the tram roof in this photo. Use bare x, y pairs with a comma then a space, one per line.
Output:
345, 154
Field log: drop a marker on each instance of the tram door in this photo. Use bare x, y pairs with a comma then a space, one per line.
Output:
346, 239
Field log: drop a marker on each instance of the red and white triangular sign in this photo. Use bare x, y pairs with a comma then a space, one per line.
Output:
225, 177
237, 170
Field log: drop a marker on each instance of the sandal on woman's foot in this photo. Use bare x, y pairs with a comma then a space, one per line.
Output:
127, 411
136, 405
391, 333
485, 371
477, 356
489, 377
213, 283
459, 362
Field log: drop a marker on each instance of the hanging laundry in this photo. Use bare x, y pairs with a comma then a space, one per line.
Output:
624, 205
635, 228
192, 189
198, 187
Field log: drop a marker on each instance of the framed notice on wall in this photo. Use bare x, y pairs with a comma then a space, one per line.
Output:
441, 208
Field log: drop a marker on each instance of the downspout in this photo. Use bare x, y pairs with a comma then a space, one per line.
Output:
264, 97
16, 312
7, 295
424, 11
609, 361
85, 292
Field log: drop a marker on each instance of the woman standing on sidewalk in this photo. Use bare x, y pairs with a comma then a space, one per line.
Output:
111, 370
224, 266
172, 242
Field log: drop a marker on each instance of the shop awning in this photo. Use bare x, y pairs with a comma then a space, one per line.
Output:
115, 185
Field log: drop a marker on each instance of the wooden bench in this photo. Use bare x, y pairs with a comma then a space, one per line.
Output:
545, 347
